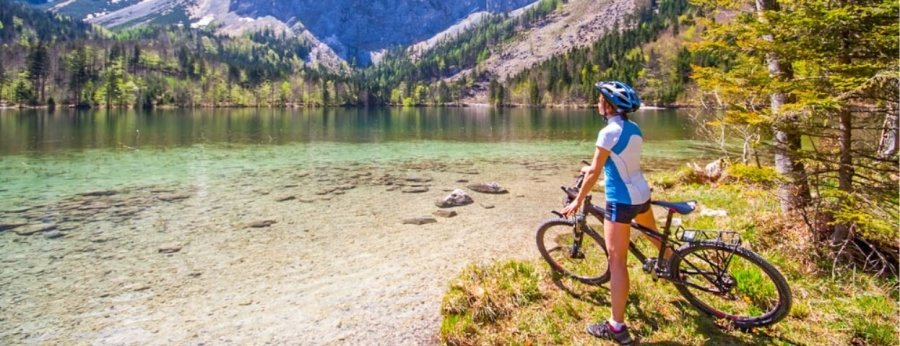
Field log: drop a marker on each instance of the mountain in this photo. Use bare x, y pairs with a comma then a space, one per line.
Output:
353, 30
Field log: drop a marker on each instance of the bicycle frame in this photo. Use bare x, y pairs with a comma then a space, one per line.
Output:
664, 238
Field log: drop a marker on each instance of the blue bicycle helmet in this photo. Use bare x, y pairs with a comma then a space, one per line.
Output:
620, 95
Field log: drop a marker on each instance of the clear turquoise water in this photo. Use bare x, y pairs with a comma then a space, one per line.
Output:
44, 156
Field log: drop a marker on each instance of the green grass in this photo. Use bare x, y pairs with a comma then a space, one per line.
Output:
524, 303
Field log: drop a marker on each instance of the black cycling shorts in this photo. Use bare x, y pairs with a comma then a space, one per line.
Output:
624, 213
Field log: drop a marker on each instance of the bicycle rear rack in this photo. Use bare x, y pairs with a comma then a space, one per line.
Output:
698, 235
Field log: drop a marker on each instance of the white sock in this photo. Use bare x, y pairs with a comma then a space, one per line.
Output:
617, 327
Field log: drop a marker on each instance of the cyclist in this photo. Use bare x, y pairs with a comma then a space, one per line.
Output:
618, 151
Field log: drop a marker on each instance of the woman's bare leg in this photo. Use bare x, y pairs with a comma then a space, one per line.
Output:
617, 238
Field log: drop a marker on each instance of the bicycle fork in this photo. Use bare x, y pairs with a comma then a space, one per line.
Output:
575, 251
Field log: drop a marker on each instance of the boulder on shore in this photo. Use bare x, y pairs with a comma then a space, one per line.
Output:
455, 199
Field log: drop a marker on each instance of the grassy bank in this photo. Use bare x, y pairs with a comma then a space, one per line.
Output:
523, 303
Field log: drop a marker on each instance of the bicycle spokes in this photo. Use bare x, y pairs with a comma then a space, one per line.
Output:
730, 285
573, 252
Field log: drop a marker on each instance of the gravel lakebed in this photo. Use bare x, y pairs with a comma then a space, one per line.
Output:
312, 255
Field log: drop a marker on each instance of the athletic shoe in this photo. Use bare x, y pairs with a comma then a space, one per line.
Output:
604, 331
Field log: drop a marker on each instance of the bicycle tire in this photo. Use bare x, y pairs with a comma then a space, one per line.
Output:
748, 284
593, 269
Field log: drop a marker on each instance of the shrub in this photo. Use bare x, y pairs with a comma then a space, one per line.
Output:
749, 174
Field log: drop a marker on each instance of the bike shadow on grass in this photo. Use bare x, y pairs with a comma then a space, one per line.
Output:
716, 333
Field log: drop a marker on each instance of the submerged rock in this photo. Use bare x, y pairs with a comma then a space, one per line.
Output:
421, 220
415, 179
169, 197
416, 189
36, 228
99, 193
444, 213
455, 199
169, 248
54, 234
487, 206
262, 223
285, 198
20, 210
8, 225
491, 187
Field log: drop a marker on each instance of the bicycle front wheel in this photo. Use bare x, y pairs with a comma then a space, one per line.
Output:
731, 283
585, 260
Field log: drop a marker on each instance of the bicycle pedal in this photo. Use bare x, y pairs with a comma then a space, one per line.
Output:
649, 265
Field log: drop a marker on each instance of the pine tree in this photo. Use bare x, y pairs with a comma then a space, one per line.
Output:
38, 63
2, 74
820, 64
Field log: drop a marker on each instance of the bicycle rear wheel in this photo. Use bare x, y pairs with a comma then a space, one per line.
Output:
731, 283
585, 261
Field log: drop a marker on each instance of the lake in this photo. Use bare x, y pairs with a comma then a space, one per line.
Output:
45, 155
278, 226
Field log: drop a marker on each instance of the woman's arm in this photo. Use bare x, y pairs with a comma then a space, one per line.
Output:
592, 173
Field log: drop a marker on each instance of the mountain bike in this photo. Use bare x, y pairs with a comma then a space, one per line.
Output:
709, 268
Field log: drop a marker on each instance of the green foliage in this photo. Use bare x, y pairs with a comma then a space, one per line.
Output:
484, 295
750, 174
829, 307
834, 57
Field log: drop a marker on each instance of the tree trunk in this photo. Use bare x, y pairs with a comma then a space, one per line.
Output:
845, 170
889, 144
794, 193
845, 159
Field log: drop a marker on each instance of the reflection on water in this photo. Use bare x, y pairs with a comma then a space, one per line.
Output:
37, 131
45, 156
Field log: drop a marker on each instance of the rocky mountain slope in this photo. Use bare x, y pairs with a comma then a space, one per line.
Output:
578, 23
349, 29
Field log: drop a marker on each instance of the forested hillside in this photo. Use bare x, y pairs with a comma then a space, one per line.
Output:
50, 59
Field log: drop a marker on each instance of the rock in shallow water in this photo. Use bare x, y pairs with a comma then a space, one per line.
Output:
54, 234
262, 223
491, 187
32, 229
415, 179
169, 248
444, 213
454, 199
421, 220
169, 197
418, 189
285, 198
8, 225
98, 193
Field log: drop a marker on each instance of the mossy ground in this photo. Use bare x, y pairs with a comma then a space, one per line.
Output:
523, 303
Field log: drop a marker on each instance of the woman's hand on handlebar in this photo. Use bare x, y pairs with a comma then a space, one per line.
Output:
572, 208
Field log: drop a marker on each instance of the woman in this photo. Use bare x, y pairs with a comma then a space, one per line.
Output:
618, 151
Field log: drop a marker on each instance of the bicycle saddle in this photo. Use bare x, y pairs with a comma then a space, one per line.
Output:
683, 208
